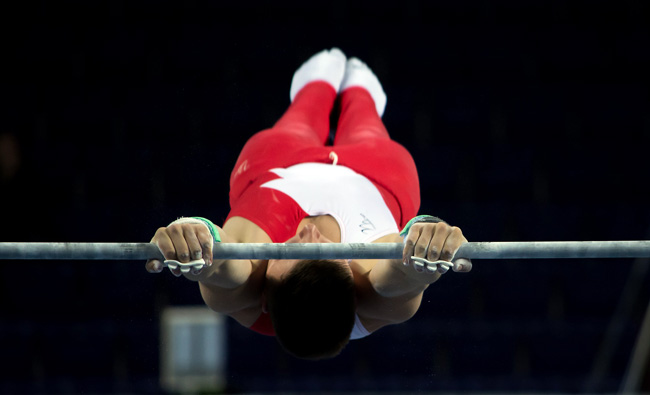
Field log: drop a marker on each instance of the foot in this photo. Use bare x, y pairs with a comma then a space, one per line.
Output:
359, 74
327, 65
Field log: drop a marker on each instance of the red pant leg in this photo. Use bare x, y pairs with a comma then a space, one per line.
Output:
304, 125
362, 143
359, 120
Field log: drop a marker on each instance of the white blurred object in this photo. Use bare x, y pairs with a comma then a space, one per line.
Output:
185, 267
432, 267
193, 350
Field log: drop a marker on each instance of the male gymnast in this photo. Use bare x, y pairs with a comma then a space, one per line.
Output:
290, 186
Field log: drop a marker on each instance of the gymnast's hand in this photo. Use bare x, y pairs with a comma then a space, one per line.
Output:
434, 242
182, 242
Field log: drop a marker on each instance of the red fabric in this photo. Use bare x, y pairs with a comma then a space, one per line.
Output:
264, 325
279, 215
361, 144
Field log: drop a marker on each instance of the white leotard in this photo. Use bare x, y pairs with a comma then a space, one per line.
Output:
350, 198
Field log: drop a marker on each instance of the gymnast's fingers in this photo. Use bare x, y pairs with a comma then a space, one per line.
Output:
177, 236
193, 242
462, 265
176, 271
153, 266
166, 247
409, 244
455, 240
439, 246
422, 244
205, 242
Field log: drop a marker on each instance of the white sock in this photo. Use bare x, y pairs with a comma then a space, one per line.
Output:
327, 65
359, 74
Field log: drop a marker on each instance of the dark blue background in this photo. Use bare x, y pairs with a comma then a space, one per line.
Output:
528, 120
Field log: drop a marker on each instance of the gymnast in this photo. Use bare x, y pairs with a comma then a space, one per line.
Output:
290, 186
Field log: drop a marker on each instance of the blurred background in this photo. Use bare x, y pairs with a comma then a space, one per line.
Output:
528, 120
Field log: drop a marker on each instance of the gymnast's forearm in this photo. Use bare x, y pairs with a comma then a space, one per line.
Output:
390, 278
228, 274
231, 273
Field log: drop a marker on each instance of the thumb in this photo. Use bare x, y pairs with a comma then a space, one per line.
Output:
154, 266
462, 265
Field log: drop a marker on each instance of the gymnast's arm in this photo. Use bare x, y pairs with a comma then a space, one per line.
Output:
227, 286
394, 289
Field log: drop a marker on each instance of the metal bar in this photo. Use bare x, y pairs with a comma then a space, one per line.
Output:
475, 250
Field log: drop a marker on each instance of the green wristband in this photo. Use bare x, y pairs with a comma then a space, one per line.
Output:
419, 218
213, 229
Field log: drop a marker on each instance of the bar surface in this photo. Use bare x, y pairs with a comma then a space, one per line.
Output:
474, 250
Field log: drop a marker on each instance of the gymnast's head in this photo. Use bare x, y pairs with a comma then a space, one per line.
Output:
311, 302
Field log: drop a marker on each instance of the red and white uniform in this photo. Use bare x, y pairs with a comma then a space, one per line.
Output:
286, 173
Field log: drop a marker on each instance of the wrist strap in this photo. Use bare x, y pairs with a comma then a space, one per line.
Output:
200, 220
419, 218
213, 228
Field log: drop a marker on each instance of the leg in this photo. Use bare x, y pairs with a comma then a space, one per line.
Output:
359, 120
305, 124
313, 90
363, 144
308, 117
362, 104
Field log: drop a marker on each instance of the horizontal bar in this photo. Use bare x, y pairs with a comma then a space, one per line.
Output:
474, 250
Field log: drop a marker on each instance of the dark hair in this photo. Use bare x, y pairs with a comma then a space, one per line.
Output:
313, 309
